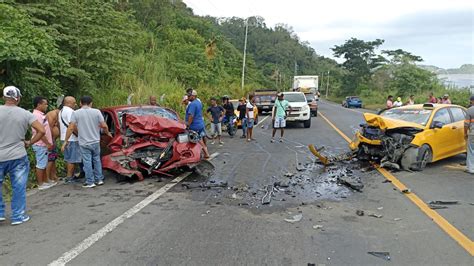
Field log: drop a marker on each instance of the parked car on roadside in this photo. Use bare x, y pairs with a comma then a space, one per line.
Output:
147, 140
300, 111
352, 101
264, 98
412, 136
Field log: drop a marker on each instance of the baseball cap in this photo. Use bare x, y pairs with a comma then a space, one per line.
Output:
280, 94
12, 92
446, 95
194, 93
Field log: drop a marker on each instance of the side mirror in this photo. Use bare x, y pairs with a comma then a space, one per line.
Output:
438, 124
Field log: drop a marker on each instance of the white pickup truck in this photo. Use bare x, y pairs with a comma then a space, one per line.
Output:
300, 111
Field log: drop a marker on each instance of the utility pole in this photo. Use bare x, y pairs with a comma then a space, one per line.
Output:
296, 68
327, 86
245, 53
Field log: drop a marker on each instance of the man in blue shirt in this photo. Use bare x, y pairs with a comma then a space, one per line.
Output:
195, 121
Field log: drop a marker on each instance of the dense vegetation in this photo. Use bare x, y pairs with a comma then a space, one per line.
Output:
110, 49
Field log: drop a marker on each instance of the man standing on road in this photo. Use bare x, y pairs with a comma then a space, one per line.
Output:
88, 122
250, 117
195, 121
279, 114
72, 152
51, 170
469, 137
229, 114
43, 147
242, 108
216, 113
13, 158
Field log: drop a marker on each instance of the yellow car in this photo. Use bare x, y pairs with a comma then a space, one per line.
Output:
412, 136
236, 112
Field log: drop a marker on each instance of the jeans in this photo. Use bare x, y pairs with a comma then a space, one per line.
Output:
91, 157
470, 154
18, 170
244, 126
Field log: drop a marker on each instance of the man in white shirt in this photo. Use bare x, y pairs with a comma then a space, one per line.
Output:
72, 153
250, 118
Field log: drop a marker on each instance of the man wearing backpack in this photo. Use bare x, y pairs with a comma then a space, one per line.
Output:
72, 152
279, 114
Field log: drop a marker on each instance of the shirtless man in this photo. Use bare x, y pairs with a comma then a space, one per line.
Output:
51, 170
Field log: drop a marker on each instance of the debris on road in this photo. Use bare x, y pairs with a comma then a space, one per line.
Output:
375, 215
236, 197
397, 219
436, 207
289, 174
444, 202
360, 212
267, 198
382, 255
387, 181
317, 226
351, 182
207, 185
406, 191
295, 218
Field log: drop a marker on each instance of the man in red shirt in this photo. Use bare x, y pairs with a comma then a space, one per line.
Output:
431, 98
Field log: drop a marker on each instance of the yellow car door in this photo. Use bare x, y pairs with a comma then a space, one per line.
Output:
441, 134
459, 142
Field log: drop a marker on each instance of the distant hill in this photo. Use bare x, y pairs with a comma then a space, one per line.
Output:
464, 69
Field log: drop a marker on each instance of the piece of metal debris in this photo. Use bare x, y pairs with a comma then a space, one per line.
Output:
317, 226
295, 218
360, 212
289, 174
437, 207
350, 182
387, 181
267, 198
406, 191
444, 202
382, 255
375, 215
236, 197
208, 185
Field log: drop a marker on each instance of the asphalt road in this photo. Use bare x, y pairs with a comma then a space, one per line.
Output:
231, 226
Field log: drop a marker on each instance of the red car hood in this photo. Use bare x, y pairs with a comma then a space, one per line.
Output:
154, 126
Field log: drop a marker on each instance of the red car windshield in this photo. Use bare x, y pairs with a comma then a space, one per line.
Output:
155, 111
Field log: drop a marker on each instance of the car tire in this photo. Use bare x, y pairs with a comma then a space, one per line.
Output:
316, 113
416, 159
307, 123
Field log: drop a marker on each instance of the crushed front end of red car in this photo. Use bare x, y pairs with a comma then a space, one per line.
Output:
149, 141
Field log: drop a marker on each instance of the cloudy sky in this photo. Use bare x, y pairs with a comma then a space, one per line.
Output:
441, 32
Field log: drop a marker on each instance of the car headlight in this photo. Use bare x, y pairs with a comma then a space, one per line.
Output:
183, 138
305, 108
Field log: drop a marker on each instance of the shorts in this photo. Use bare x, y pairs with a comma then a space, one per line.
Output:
280, 122
41, 155
216, 129
53, 154
72, 153
201, 132
250, 122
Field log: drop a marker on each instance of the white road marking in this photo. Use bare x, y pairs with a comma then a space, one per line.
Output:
92, 239
261, 121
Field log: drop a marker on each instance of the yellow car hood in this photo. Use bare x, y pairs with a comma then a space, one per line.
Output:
385, 123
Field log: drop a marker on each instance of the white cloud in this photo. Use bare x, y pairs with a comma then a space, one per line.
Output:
328, 23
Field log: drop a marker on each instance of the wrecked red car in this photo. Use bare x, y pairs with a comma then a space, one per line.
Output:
147, 140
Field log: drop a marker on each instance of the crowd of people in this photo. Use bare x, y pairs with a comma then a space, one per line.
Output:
411, 100
79, 131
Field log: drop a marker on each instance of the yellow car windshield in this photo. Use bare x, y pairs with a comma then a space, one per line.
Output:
418, 116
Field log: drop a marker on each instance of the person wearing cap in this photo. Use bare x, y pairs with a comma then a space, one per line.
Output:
13, 157
279, 113
243, 119
469, 136
445, 99
195, 121
398, 102
43, 147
